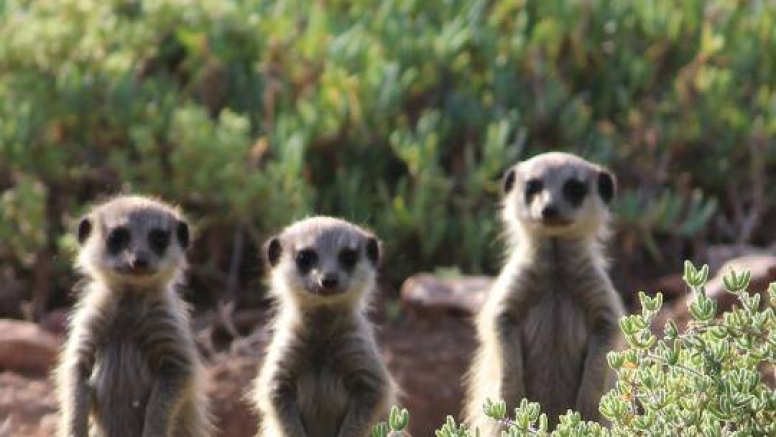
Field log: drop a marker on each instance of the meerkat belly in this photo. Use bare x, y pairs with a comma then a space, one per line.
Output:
323, 400
121, 384
554, 334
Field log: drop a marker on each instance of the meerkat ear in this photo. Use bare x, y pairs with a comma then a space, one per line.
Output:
373, 250
272, 251
84, 229
508, 181
182, 232
607, 185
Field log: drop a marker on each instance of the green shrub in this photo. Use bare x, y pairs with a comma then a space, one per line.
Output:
707, 381
401, 114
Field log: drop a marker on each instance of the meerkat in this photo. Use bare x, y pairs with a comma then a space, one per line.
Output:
130, 367
552, 314
322, 375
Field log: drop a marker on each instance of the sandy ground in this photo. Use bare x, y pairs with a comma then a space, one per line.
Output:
427, 352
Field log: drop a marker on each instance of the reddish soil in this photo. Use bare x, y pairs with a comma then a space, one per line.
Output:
427, 352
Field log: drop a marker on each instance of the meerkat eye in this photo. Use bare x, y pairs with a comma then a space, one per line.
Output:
305, 259
118, 239
574, 191
532, 187
159, 239
348, 258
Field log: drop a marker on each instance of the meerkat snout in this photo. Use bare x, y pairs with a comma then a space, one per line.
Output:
133, 240
557, 193
323, 257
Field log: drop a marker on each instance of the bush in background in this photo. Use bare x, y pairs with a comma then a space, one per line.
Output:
401, 114
707, 382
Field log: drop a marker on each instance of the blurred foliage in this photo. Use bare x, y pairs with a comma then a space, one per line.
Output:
400, 114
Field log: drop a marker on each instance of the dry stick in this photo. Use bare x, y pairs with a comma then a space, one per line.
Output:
225, 308
234, 262
757, 170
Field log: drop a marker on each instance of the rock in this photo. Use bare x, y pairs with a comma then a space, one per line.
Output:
762, 269
27, 406
465, 293
26, 348
718, 255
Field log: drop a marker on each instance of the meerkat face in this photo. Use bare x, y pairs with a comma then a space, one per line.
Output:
323, 259
133, 240
557, 194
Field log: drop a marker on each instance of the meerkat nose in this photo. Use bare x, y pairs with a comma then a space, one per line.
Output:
140, 262
329, 281
550, 212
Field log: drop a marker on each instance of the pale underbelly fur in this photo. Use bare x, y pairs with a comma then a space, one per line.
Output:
554, 334
120, 390
323, 400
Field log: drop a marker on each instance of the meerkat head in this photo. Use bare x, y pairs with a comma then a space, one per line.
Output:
557, 194
133, 240
323, 260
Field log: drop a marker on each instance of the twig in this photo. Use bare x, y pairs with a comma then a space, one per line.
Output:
665, 362
234, 263
757, 170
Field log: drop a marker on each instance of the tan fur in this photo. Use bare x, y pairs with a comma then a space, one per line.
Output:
322, 375
130, 367
553, 313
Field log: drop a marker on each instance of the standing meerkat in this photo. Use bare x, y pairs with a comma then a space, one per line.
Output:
322, 375
130, 367
552, 314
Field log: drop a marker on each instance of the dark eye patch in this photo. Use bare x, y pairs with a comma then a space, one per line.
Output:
348, 258
118, 240
305, 259
532, 188
159, 239
574, 191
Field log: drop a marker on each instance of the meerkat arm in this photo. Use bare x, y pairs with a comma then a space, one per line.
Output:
286, 411
79, 357
161, 405
596, 373
366, 398
512, 382
75, 410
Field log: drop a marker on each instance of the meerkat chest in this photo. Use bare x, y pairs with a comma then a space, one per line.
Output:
122, 366
121, 338
556, 325
554, 314
134, 335
322, 389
